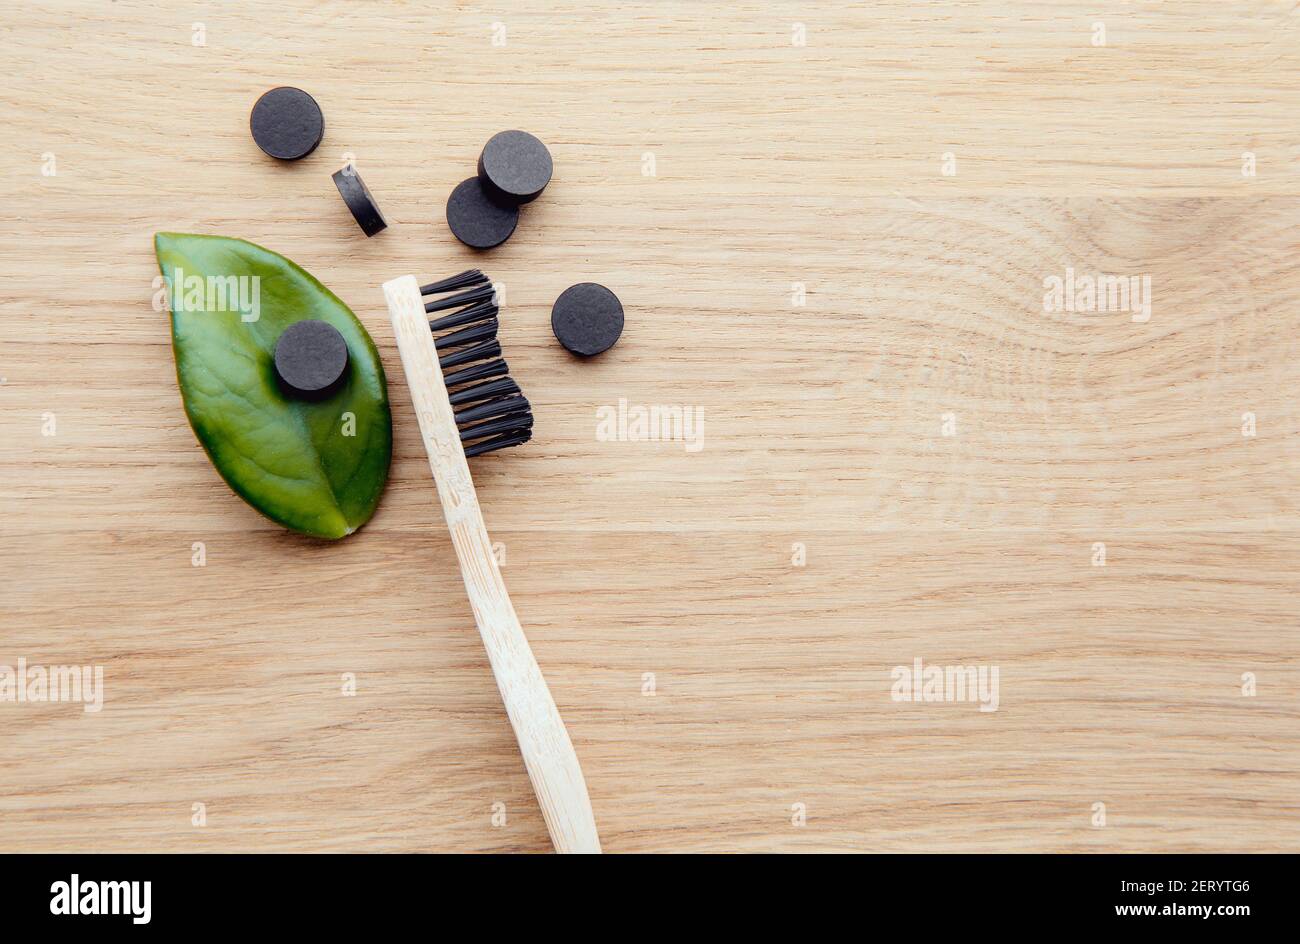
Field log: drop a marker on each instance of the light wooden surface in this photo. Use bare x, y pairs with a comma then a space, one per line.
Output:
775, 163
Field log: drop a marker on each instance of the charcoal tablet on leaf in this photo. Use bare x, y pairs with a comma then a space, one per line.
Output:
311, 358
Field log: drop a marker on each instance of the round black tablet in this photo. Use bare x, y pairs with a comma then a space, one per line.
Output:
286, 123
311, 358
587, 318
477, 220
515, 167
357, 196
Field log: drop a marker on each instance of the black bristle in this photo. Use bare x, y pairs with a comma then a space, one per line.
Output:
501, 387
493, 413
505, 424
479, 352
464, 316
483, 411
497, 368
451, 283
475, 334
501, 442
481, 294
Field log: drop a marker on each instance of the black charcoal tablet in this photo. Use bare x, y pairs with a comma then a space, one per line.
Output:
357, 196
515, 167
311, 359
587, 318
286, 123
477, 220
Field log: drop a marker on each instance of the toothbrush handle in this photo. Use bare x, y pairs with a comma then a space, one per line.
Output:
548, 754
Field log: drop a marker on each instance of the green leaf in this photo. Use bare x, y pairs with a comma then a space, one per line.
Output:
288, 458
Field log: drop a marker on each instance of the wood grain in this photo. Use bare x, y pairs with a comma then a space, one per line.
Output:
775, 166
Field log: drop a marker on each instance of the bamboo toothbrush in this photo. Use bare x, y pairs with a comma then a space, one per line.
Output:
489, 414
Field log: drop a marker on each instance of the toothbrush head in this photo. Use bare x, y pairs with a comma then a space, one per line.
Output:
491, 411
